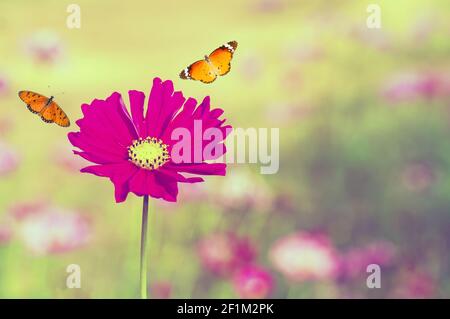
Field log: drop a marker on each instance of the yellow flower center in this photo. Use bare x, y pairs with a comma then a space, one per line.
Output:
150, 153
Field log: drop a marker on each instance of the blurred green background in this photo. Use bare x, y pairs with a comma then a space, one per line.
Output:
364, 150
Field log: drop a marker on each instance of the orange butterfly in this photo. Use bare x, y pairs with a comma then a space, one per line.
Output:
218, 63
48, 110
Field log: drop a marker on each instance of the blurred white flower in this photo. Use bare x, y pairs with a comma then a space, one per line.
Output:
305, 256
241, 190
49, 230
44, 46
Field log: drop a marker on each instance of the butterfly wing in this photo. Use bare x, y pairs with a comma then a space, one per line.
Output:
35, 102
220, 58
49, 113
54, 114
61, 117
199, 71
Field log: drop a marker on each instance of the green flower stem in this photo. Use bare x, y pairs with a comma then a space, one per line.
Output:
143, 277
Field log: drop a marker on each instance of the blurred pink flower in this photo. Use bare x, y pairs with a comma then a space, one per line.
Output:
5, 234
417, 176
253, 282
5, 125
354, 263
251, 67
287, 113
44, 46
161, 290
242, 191
9, 160
415, 283
292, 80
50, 230
304, 52
62, 155
412, 86
4, 85
223, 253
20, 211
423, 28
284, 203
268, 6
305, 256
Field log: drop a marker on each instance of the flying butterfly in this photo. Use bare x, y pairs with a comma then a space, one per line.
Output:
45, 107
218, 63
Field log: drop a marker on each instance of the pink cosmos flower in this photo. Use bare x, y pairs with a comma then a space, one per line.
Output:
44, 46
139, 153
305, 256
50, 230
253, 282
354, 263
4, 85
9, 160
223, 253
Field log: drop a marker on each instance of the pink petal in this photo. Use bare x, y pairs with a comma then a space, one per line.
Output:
178, 177
137, 100
200, 169
123, 118
144, 182
162, 106
104, 153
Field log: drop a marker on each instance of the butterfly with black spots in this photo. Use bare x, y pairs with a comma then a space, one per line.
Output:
218, 63
45, 107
